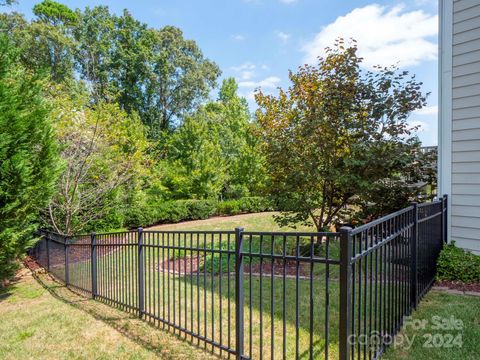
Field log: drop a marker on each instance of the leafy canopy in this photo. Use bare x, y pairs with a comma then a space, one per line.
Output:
337, 136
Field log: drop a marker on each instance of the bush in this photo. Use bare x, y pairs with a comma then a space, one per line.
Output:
144, 214
243, 205
171, 212
455, 264
228, 207
200, 209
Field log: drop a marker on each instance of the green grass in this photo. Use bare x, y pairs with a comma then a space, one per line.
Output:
40, 319
462, 307
250, 222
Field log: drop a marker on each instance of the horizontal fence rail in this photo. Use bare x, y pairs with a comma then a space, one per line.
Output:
262, 295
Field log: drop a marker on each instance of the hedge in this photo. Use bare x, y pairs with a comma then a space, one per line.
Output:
183, 210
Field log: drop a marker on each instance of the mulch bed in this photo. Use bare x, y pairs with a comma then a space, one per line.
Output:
31, 264
290, 268
187, 265
458, 285
191, 264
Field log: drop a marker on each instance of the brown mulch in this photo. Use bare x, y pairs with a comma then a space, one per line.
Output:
187, 265
191, 264
458, 285
290, 268
31, 264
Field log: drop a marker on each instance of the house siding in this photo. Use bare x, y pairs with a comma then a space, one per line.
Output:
465, 124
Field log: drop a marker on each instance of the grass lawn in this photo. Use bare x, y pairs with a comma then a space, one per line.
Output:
430, 343
41, 319
250, 222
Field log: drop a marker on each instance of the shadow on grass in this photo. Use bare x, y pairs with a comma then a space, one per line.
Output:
128, 324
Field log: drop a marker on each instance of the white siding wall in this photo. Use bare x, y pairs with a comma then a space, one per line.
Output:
465, 124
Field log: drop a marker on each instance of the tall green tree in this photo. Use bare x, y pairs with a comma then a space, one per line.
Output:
215, 153
28, 156
338, 136
50, 39
156, 73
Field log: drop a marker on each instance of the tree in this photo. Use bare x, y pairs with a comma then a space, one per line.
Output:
102, 149
50, 39
337, 135
155, 73
215, 152
28, 156
95, 35
7, 2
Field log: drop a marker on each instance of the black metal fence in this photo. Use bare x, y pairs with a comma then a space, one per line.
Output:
386, 267
255, 295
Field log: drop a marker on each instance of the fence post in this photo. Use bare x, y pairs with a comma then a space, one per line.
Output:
67, 277
141, 289
48, 252
93, 260
239, 296
445, 218
345, 289
413, 258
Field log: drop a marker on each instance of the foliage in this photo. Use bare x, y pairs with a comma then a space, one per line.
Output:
215, 153
7, 2
103, 152
456, 264
28, 156
156, 73
150, 213
339, 136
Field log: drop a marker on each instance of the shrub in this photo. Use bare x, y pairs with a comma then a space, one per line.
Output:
171, 212
200, 209
228, 207
243, 205
456, 264
143, 214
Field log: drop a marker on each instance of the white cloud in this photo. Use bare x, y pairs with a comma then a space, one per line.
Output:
245, 71
427, 110
245, 66
288, 2
238, 37
250, 96
282, 36
269, 82
421, 125
385, 36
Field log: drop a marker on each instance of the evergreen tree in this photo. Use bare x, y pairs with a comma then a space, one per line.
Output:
28, 157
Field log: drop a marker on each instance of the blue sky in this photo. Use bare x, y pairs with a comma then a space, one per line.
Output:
258, 41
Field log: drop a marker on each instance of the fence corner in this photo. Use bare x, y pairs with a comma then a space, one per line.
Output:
413, 259
345, 289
